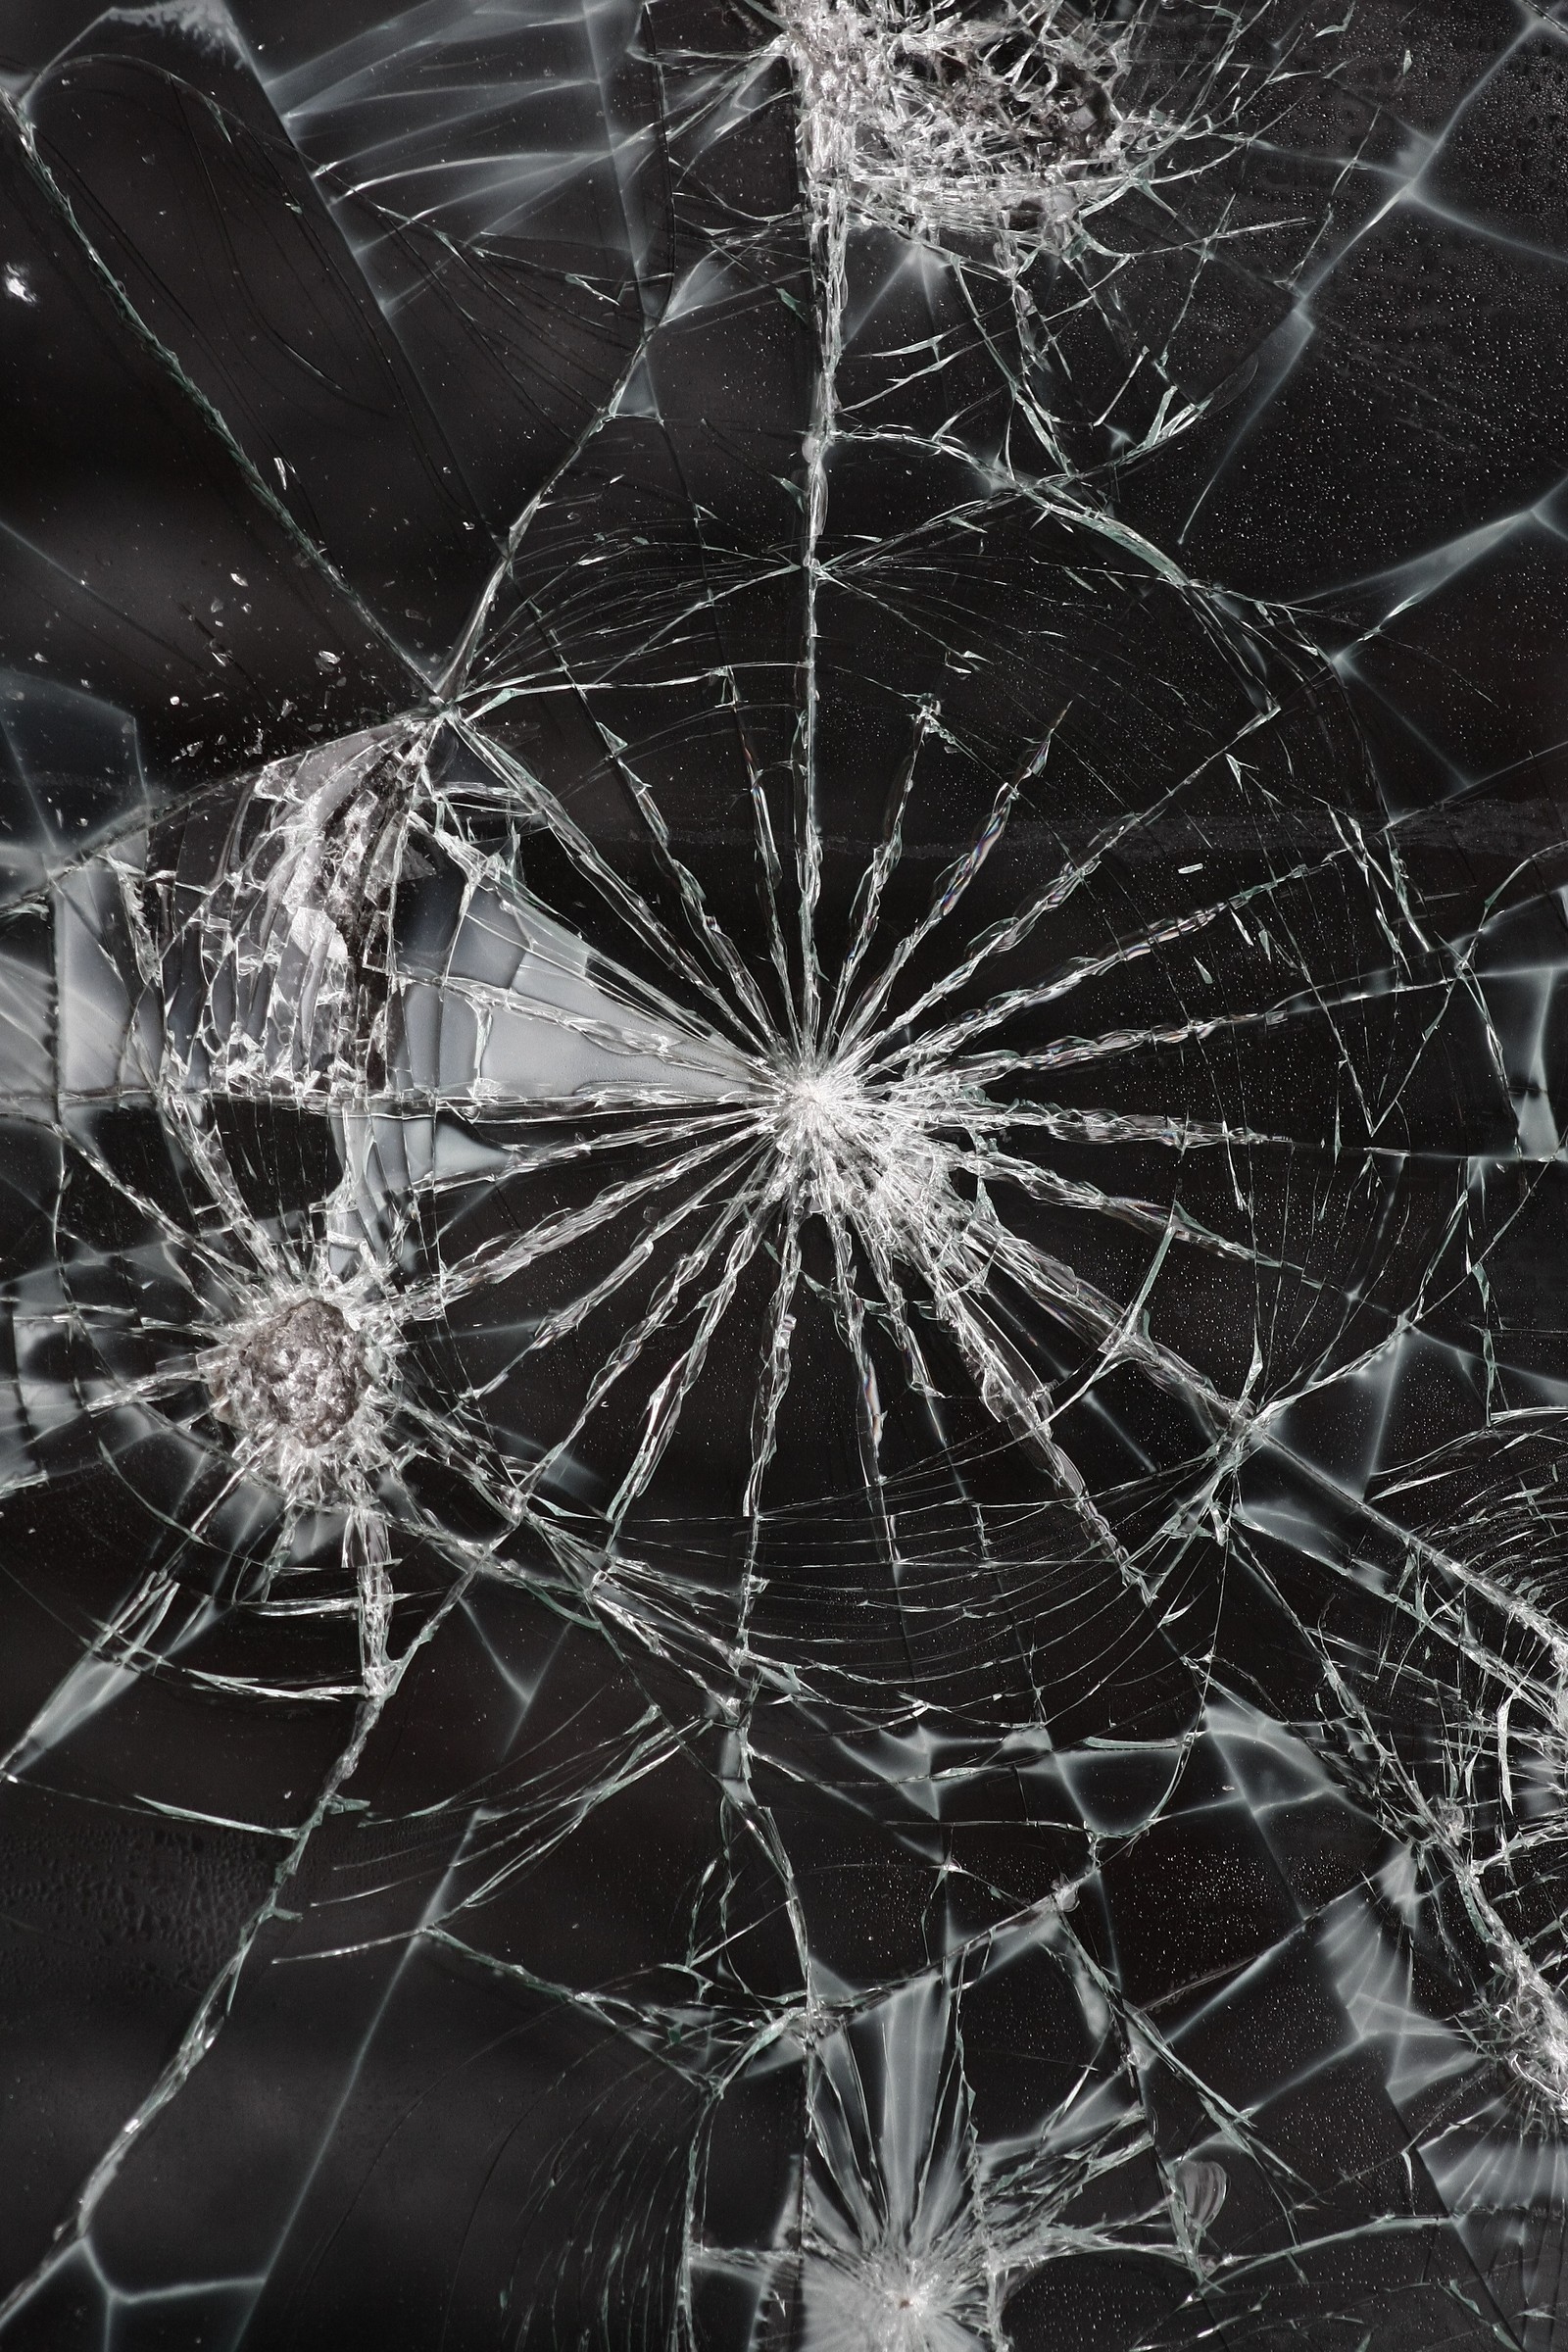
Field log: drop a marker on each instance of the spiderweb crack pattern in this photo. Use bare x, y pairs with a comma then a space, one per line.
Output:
781, 910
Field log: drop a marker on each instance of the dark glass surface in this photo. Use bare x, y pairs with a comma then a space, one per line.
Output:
783, 1333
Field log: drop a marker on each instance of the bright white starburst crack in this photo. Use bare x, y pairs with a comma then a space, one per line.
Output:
989, 129
893, 2300
751, 1121
303, 1384
288, 979
1527, 2028
853, 1145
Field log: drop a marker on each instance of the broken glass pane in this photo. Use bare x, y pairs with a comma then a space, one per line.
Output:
782, 1410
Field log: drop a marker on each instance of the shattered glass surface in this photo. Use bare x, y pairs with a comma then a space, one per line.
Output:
783, 1465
